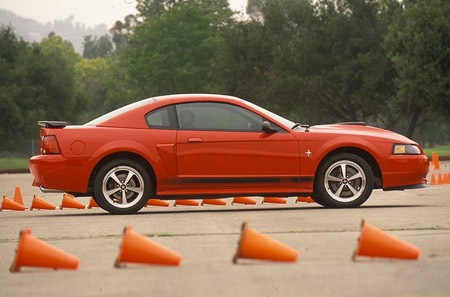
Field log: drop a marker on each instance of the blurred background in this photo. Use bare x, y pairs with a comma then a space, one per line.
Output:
385, 62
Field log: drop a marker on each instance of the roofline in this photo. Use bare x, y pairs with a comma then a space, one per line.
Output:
200, 96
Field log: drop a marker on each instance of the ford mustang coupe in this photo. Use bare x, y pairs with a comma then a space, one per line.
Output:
211, 146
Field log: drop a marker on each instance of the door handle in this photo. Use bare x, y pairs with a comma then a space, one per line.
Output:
194, 139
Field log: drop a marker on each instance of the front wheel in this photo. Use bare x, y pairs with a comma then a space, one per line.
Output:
122, 186
344, 180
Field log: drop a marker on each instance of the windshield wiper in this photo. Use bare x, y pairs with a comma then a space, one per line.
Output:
296, 125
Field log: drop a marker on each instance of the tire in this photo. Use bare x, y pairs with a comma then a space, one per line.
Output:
333, 190
117, 195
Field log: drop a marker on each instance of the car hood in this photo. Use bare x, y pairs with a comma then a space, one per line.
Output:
359, 130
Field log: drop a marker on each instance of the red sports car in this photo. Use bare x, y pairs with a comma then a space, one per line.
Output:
210, 146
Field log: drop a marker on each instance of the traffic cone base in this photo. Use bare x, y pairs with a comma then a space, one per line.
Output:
18, 196
39, 203
69, 202
214, 202
307, 199
374, 242
157, 202
33, 252
9, 204
275, 200
254, 245
92, 203
187, 202
243, 200
136, 248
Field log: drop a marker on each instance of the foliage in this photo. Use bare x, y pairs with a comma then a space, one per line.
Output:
96, 47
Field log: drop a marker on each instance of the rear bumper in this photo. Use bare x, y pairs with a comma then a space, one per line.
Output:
59, 173
404, 171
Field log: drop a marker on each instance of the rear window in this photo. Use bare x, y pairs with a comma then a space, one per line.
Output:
121, 110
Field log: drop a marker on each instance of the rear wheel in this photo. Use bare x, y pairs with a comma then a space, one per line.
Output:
343, 180
122, 186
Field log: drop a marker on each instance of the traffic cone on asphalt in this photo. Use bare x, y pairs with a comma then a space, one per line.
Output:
433, 180
92, 203
275, 200
18, 196
447, 178
69, 202
437, 166
440, 181
243, 200
39, 203
137, 248
157, 202
433, 158
374, 242
307, 199
9, 204
187, 202
254, 245
34, 252
214, 202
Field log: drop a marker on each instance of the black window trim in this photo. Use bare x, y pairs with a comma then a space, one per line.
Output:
173, 120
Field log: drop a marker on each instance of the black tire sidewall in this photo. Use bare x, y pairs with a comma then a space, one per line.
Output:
319, 187
100, 198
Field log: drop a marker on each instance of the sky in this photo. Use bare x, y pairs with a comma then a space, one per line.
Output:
88, 12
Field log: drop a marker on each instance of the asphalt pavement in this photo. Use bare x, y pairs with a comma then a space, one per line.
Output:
207, 238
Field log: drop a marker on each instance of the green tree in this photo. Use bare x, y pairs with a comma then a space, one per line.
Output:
96, 47
418, 43
174, 52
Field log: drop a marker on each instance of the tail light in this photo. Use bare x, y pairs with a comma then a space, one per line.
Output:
49, 145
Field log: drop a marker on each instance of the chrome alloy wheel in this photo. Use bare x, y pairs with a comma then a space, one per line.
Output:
123, 186
345, 181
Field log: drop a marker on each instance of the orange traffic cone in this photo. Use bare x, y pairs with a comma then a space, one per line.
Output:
437, 166
92, 203
187, 202
447, 179
439, 179
374, 242
276, 200
18, 196
243, 200
137, 248
254, 245
11, 204
157, 202
214, 202
69, 202
433, 180
307, 199
433, 158
39, 203
34, 252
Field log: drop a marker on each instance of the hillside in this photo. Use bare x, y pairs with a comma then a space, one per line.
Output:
31, 30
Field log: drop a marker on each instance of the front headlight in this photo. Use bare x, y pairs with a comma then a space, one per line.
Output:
405, 149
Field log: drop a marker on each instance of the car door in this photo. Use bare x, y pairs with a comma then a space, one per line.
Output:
222, 145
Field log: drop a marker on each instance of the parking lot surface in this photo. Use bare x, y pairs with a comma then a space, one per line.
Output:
207, 238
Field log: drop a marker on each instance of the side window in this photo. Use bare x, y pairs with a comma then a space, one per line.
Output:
158, 119
217, 117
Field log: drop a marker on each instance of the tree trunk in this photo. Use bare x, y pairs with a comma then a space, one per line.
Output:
413, 123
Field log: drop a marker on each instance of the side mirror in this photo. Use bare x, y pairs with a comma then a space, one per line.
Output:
267, 127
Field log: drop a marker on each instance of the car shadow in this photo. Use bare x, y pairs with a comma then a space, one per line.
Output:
148, 211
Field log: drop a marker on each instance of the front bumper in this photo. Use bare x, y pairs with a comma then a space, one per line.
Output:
404, 171
59, 173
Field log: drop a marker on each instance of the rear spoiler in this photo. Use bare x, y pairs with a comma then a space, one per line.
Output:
53, 124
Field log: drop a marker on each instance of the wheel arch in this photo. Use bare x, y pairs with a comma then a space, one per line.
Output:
123, 155
378, 178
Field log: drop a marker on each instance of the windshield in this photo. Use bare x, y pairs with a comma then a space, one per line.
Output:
274, 116
116, 112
